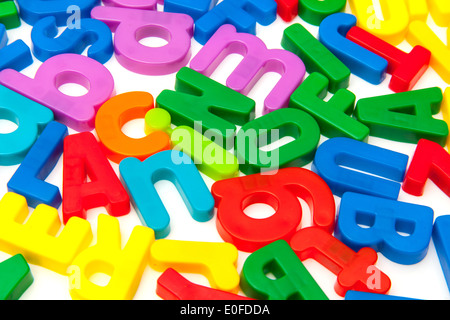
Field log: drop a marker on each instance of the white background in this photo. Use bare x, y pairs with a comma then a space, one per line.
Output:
423, 280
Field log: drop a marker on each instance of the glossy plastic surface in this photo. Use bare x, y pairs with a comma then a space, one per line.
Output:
29, 178
374, 170
334, 116
361, 62
278, 190
387, 222
292, 280
354, 270
114, 114
84, 160
139, 179
257, 61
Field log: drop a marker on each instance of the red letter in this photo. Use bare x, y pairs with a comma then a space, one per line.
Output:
280, 191
173, 286
406, 68
352, 268
430, 161
287, 9
83, 158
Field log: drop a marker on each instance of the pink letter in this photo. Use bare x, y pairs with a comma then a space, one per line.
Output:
132, 25
132, 4
77, 113
257, 61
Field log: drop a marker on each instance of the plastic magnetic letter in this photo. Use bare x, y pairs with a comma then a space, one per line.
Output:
132, 25
287, 9
406, 68
194, 9
15, 277
77, 113
92, 33
337, 160
31, 119
242, 14
3, 36
83, 158
31, 11
209, 157
442, 244
354, 270
314, 11
38, 239
317, 58
158, 119
394, 25
217, 108
418, 9
133, 4
405, 116
400, 231
430, 161
124, 266
445, 108
440, 11
217, 261
361, 62
334, 117
257, 61
173, 286
270, 128
279, 190
28, 180
139, 179
419, 33
114, 114
367, 296
292, 280
9, 16
16, 55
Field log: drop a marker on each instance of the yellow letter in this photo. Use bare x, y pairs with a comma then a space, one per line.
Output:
216, 261
125, 267
396, 19
418, 9
36, 239
440, 11
421, 34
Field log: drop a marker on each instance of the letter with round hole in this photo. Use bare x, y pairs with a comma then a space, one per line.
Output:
132, 25
280, 191
31, 118
77, 113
